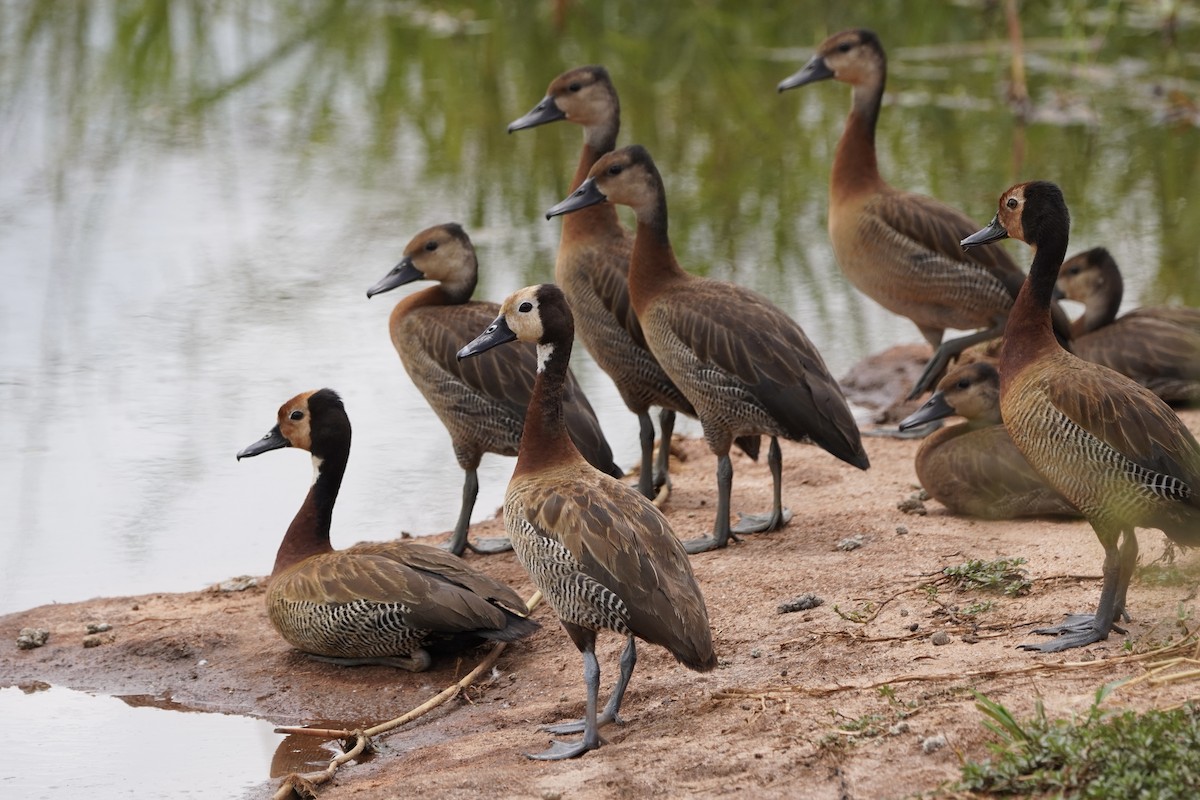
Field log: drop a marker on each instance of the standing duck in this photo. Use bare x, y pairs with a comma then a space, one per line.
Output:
746, 367
602, 554
482, 402
974, 468
1159, 347
378, 602
900, 248
1115, 450
592, 269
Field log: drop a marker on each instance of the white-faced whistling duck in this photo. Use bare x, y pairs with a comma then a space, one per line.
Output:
746, 366
376, 602
481, 402
1157, 346
602, 554
974, 468
1112, 447
900, 248
592, 269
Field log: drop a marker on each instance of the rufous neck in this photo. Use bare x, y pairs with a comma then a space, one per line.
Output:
598, 218
653, 263
1029, 333
544, 439
855, 167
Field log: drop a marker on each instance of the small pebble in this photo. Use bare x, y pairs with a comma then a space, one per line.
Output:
933, 744
913, 627
802, 603
904, 612
851, 543
756, 653
899, 728
30, 638
940, 638
239, 584
912, 506
901, 529
92, 641
98, 627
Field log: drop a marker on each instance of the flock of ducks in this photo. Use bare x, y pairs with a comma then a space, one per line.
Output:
1047, 431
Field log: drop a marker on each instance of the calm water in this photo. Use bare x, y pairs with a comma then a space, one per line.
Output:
196, 196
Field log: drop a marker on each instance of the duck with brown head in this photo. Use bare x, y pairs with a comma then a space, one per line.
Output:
974, 468
602, 554
747, 367
481, 402
592, 269
378, 602
1157, 346
1116, 451
900, 248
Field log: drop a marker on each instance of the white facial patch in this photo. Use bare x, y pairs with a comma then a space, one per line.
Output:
317, 462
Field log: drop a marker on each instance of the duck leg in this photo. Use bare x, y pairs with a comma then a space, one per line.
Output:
458, 540
560, 750
948, 350
646, 439
779, 516
609, 714
1129, 554
662, 468
1080, 630
721, 531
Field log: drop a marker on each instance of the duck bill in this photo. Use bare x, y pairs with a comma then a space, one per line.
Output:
815, 70
935, 407
543, 112
272, 441
586, 195
402, 273
994, 232
496, 334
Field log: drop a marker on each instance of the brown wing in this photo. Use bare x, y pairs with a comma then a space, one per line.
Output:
1143, 348
1128, 418
741, 333
608, 274
348, 577
937, 229
626, 544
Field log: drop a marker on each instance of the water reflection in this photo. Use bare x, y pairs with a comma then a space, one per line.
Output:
197, 194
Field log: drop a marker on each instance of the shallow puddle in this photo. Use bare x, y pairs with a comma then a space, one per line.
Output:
62, 743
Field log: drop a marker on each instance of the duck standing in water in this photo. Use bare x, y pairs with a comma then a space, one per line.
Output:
482, 403
376, 602
1115, 450
901, 248
603, 555
745, 365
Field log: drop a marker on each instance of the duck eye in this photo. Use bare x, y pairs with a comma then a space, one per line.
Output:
845, 47
615, 169
1011, 202
964, 383
431, 246
1073, 271
525, 307
296, 415
575, 87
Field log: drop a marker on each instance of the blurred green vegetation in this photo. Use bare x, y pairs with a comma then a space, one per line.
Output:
418, 94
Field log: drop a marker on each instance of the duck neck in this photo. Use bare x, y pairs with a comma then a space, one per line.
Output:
601, 217
308, 535
653, 263
544, 439
1102, 307
854, 165
1028, 333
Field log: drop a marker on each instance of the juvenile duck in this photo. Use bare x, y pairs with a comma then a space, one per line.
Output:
747, 368
1115, 450
974, 468
374, 603
592, 269
1159, 347
900, 248
481, 402
603, 555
